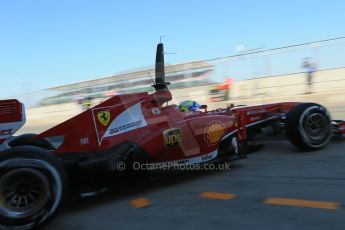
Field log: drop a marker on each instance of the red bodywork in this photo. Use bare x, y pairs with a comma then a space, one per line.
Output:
12, 117
145, 120
341, 128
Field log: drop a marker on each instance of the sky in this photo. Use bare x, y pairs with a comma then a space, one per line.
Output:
45, 43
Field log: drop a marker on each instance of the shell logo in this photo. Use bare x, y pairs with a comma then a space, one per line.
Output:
214, 132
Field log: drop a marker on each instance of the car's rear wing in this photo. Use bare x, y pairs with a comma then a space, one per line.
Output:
339, 127
12, 118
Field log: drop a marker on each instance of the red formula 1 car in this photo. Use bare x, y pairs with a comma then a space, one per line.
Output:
142, 128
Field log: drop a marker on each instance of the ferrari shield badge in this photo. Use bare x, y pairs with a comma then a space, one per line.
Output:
103, 117
172, 137
214, 132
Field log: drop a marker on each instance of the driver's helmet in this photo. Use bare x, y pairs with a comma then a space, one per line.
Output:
189, 106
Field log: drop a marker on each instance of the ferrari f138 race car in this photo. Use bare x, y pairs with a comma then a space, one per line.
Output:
36, 170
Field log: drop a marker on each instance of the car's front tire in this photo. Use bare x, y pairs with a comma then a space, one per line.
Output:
309, 126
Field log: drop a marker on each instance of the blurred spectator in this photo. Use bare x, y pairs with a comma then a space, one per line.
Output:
221, 92
86, 104
110, 93
79, 99
310, 69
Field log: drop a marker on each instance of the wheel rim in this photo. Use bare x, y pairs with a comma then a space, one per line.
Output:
23, 192
317, 126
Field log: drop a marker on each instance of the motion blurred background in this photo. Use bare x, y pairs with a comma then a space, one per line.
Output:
61, 57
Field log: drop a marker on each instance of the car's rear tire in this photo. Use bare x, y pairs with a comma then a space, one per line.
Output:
30, 139
32, 186
309, 126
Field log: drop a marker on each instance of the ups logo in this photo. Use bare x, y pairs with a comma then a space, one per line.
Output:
172, 137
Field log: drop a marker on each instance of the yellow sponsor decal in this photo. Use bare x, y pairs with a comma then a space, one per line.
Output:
214, 132
172, 137
103, 117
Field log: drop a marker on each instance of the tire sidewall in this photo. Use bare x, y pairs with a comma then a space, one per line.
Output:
42, 161
296, 132
306, 138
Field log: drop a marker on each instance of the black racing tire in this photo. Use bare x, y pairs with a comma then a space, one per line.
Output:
309, 126
30, 139
33, 184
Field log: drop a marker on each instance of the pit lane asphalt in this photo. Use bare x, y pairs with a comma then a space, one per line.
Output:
279, 170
